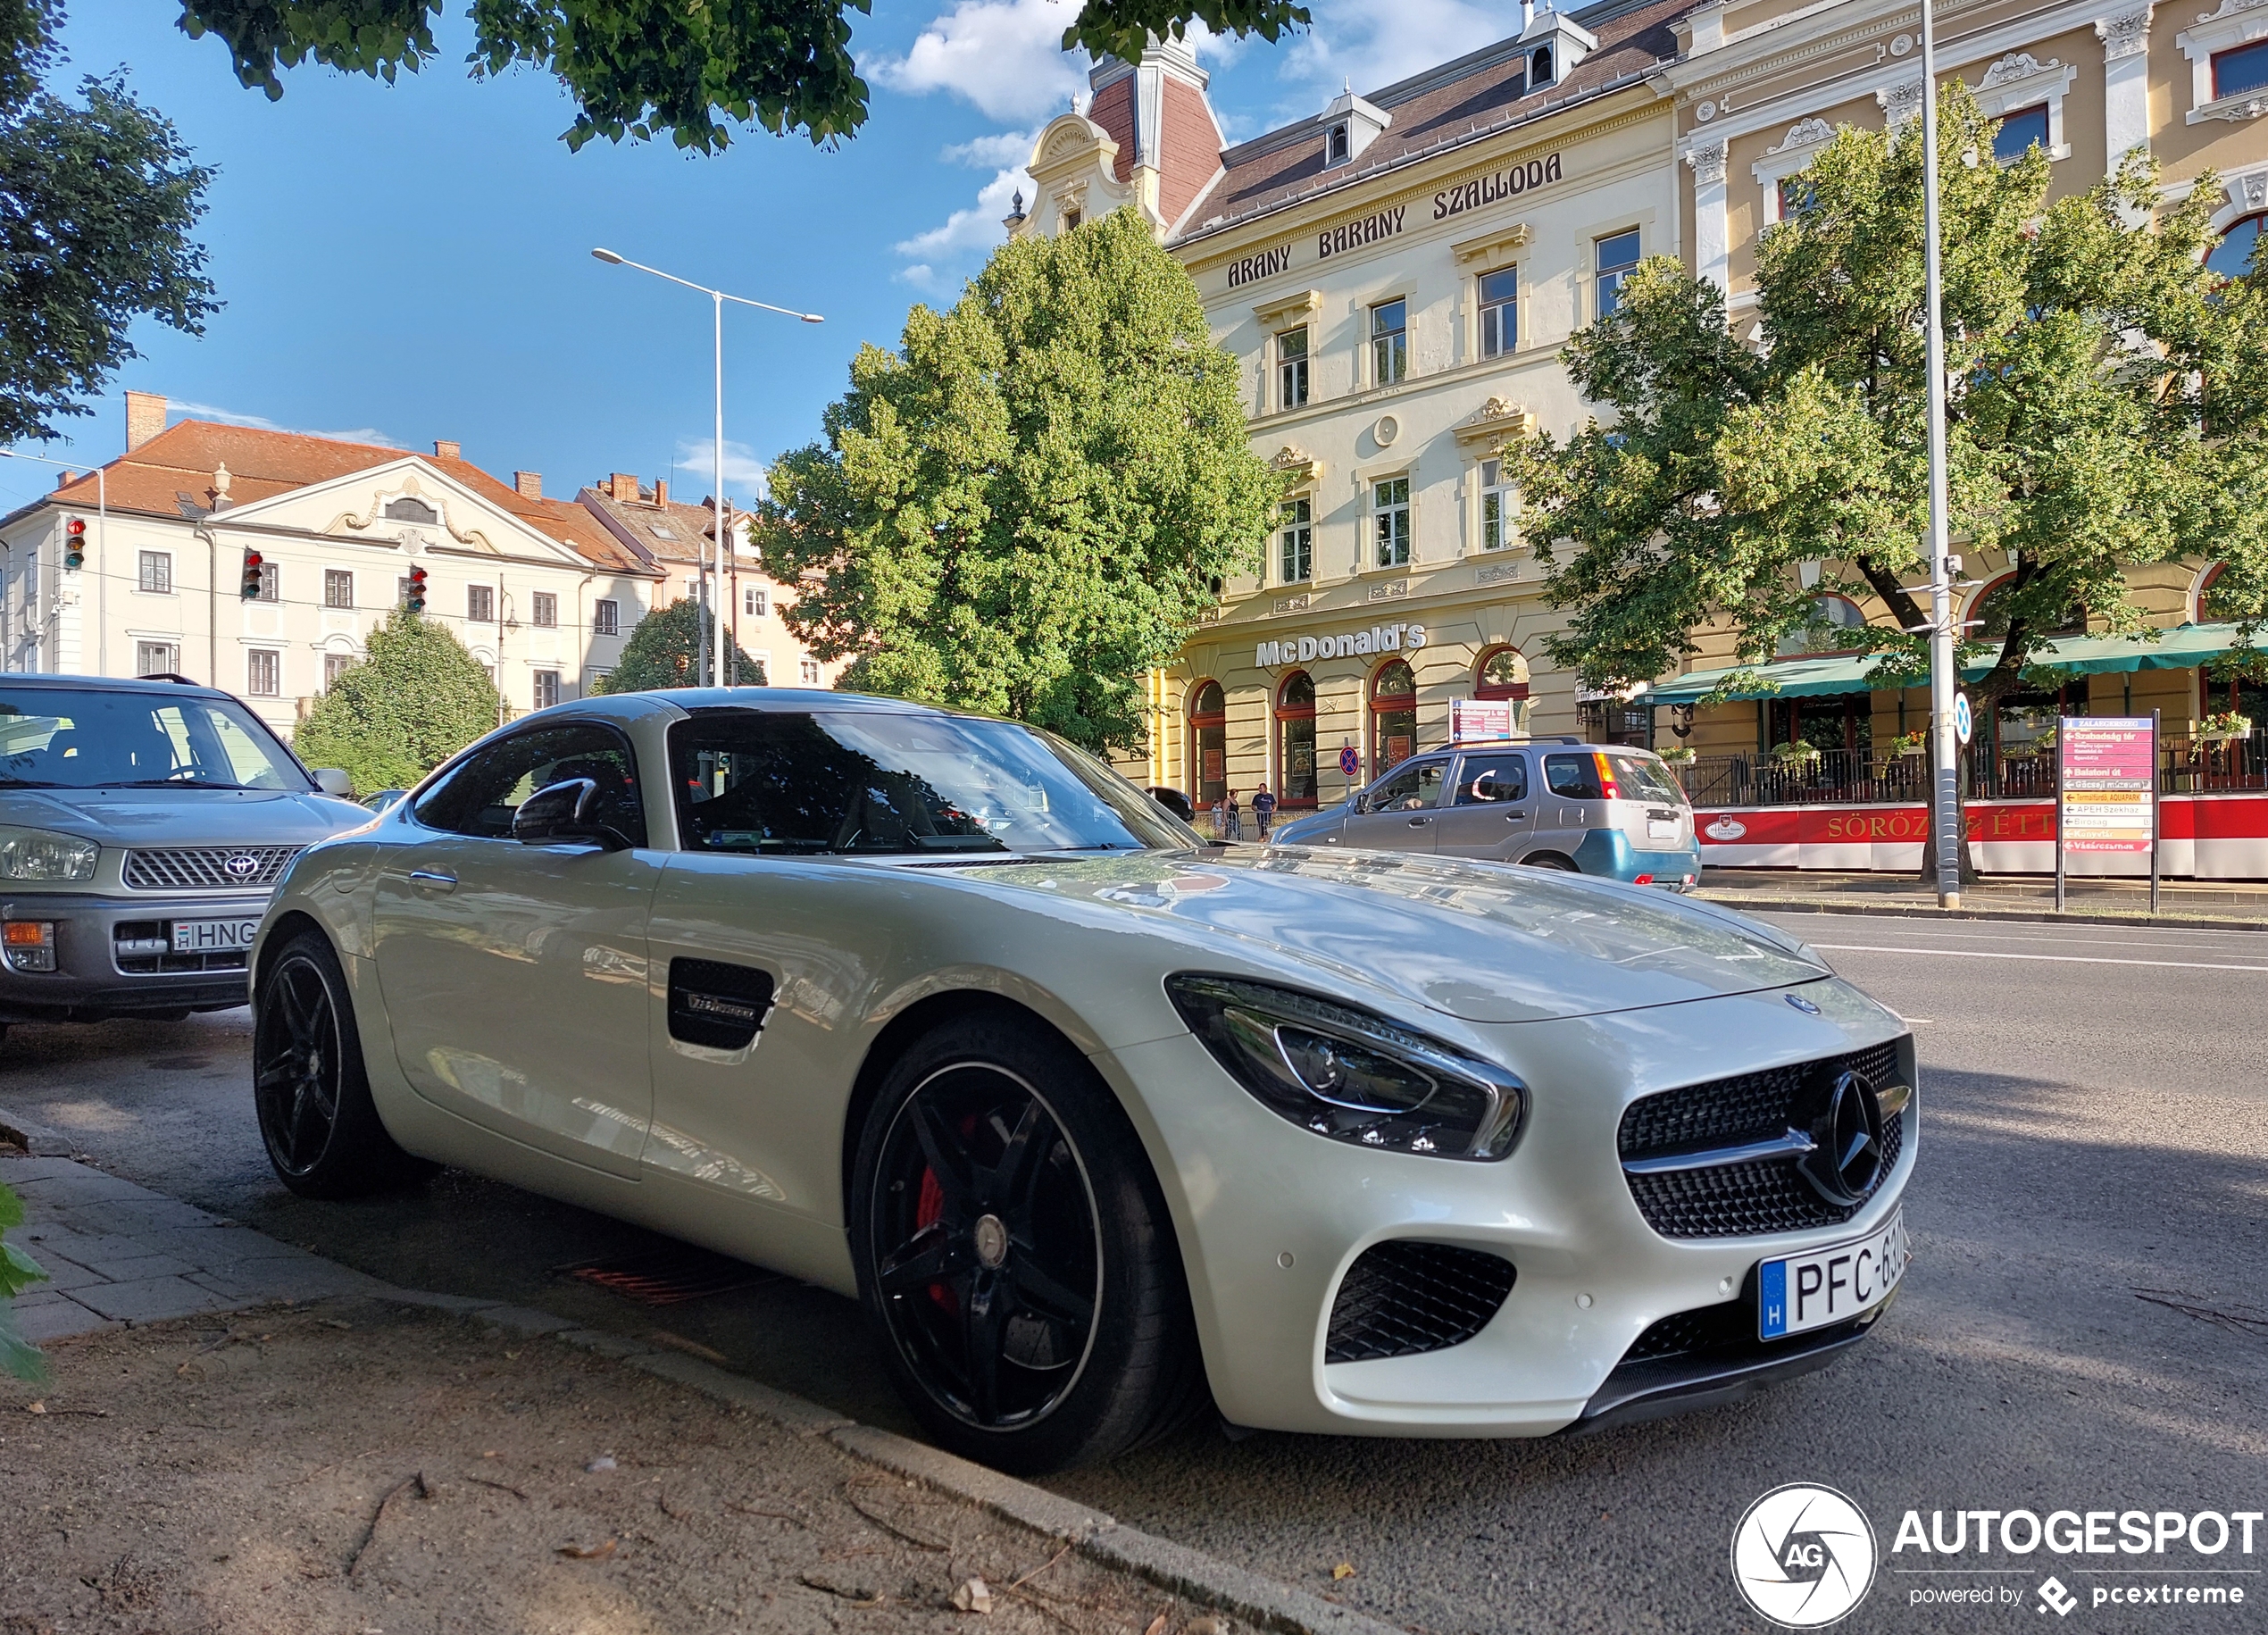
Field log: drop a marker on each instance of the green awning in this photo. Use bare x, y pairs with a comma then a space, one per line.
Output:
2183, 648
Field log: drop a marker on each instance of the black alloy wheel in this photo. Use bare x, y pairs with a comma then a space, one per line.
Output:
990, 1270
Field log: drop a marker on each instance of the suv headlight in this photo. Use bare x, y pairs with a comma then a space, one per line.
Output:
1349, 1075
42, 854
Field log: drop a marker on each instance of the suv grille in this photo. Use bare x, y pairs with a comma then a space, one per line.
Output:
1739, 1200
1401, 1297
205, 868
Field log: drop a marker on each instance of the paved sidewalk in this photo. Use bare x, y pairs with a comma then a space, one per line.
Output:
2219, 905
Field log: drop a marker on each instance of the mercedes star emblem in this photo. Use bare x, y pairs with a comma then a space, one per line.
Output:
1846, 1158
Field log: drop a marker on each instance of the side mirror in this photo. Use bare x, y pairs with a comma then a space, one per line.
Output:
563, 811
334, 781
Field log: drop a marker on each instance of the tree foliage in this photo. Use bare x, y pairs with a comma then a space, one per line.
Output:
656, 68
18, 1271
1034, 499
662, 651
97, 201
415, 700
2107, 397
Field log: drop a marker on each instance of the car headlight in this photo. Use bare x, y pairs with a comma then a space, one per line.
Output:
1349, 1075
40, 853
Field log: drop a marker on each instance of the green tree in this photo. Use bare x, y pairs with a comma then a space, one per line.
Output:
18, 1272
657, 67
97, 199
662, 651
416, 699
2107, 402
1035, 498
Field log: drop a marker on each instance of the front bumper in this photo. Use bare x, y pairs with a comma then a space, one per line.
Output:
94, 980
1609, 852
1273, 1218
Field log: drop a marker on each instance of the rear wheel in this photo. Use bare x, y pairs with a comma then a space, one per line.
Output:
1013, 1249
322, 1131
1551, 860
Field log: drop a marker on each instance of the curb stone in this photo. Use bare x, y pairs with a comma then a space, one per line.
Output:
1250, 1598
1761, 903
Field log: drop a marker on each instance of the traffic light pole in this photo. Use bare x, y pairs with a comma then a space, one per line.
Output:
102, 558
1944, 806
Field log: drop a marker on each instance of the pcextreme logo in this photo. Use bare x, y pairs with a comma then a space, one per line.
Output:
1804, 1555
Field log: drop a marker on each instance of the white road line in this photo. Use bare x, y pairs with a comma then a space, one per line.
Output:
2060, 959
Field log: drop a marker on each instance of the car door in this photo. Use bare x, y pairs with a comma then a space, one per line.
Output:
1571, 801
515, 976
1397, 813
1490, 812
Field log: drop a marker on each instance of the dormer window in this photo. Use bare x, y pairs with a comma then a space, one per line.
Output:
407, 510
1337, 147
1539, 67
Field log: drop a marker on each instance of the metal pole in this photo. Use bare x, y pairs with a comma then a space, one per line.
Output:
716, 514
2154, 813
1946, 797
2063, 739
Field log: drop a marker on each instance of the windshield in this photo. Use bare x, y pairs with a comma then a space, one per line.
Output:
1643, 778
69, 738
872, 782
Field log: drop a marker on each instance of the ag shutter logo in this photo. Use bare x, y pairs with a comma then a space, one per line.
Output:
1804, 1555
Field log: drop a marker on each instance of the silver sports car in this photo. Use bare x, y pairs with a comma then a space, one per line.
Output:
1097, 1121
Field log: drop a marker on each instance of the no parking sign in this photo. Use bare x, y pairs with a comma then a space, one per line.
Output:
1350, 762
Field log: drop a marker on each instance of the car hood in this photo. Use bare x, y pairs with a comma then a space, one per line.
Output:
1482, 942
183, 816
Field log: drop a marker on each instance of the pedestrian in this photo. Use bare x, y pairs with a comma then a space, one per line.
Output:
1236, 818
1263, 809
1219, 817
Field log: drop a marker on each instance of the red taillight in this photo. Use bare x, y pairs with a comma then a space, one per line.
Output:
1643, 879
1607, 788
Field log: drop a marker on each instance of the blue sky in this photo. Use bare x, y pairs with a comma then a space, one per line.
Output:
407, 262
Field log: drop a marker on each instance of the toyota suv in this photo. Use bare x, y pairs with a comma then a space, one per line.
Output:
143, 825
1588, 808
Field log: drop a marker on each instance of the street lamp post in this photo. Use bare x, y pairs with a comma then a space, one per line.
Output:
1945, 802
717, 298
102, 554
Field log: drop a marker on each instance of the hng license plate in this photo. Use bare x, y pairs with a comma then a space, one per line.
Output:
212, 935
1830, 1285
1657, 828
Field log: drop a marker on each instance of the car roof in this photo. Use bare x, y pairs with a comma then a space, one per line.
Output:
114, 684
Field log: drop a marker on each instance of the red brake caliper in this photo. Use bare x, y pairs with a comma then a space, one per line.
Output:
927, 1208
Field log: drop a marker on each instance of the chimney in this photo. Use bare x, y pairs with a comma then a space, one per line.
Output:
63, 479
623, 488
661, 491
144, 418
445, 449
530, 484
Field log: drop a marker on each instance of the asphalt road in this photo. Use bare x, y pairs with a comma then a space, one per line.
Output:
2085, 1326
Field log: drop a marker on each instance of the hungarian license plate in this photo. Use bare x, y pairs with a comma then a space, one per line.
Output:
212, 935
1659, 828
1833, 1285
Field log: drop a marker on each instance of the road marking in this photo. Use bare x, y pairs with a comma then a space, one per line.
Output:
2060, 959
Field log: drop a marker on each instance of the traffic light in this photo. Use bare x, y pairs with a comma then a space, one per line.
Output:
253, 560
415, 600
74, 542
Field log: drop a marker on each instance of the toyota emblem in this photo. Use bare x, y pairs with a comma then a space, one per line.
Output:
1845, 1129
244, 865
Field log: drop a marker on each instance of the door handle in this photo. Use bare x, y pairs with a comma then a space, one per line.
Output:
1420, 823
1515, 817
433, 879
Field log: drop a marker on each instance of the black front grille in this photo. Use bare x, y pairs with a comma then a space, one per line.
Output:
205, 868
1741, 1200
1711, 1328
1401, 1297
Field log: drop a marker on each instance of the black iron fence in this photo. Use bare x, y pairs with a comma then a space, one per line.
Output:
2189, 765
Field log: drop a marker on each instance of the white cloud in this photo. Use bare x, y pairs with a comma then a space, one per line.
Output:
1372, 44
1003, 57
976, 228
743, 471
1004, 147
179, 409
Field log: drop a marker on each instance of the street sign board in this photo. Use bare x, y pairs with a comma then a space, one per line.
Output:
1474, 720
1963, 724
2106, 790
1350, 762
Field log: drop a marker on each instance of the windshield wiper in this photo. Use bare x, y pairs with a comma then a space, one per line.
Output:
31, 783
173, 783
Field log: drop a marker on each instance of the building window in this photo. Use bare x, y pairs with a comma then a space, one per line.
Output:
1291, 368
753, 602
546, 688
481, 603
263, 673
411, 511
339, 588
544, 611
2019, 132
1798, 196
1393, 715
1071, 219
271, 582
811, 673
334, 665
606, 617
1501, 673
157, 572
2232, 256
1835, 613
1389, 342
1209, 743
1390, 512
1298, 558
760, 668
1499, 311
1495, 507
1338, 145
1539, 67
156, 658
2244, 68
1616, 257
1295, 740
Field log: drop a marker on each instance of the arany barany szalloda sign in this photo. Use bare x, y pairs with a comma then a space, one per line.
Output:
1476, 193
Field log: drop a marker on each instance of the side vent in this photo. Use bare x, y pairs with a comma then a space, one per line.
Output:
722, 1006
1401, 1297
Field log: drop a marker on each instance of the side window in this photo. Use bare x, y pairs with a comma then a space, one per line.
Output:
1413, 789
1483, 778
479, 797
1575, 777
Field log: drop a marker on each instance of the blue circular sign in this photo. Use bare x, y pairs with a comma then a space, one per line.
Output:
1350, 762
1962, 722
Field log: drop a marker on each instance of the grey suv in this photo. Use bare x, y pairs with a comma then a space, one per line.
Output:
143, 825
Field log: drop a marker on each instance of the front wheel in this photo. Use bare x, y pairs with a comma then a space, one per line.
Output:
1013, 1249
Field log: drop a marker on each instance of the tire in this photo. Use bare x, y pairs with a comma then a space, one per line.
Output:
1552, 860
322, 1132
1014, 1252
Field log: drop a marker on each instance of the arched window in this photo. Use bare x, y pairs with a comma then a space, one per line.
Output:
1988, 613
1539, 67
1393, 715
1295, 739
2232, 256
1208, 743
2217, 601
1503, 673
408, 510
1839, 614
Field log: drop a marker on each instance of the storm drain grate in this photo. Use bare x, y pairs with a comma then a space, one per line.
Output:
671, 1276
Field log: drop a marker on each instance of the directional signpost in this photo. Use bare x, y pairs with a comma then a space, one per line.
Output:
2106, 788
